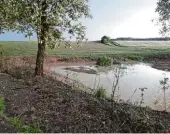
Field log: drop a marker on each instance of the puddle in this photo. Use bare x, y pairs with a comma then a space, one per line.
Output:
132, 78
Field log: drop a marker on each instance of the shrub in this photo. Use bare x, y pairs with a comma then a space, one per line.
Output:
106, 40
104, 61
100, 93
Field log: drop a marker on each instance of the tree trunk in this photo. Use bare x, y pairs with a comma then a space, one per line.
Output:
42, 35
40, 59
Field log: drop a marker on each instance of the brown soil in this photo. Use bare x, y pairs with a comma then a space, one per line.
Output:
50, 61
161, 62
27, 60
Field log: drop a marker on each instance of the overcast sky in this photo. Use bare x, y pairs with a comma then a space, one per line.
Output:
115, 18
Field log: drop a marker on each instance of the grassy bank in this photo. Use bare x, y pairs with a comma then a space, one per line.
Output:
57, 107
89, 49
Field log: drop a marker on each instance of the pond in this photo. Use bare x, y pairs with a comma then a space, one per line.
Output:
131, 79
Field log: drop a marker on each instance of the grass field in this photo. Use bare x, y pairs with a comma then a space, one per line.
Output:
29, 48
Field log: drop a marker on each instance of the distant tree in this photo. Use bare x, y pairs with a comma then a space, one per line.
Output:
163, 10
108, 41
105, 40
50, 19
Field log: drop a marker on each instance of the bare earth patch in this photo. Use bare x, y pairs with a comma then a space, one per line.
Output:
161, 62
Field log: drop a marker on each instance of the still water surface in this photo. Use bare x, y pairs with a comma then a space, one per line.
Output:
132, 78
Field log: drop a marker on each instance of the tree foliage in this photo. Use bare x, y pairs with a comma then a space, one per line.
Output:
50, 20
163, 10
105, 40
7, 19
53, 16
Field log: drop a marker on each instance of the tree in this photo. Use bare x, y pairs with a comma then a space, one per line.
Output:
163, 10
50, 19
105, 40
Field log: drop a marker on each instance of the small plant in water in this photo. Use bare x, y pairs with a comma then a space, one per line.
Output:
165, 86
142, 95
101, 93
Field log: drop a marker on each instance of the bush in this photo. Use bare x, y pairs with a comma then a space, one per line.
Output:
106, 40
101, 93
104, 61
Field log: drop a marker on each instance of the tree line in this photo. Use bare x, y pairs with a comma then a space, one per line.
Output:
142, 39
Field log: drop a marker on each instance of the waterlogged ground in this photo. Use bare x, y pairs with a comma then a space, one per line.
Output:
132, 77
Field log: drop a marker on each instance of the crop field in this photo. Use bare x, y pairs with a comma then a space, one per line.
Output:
87, 49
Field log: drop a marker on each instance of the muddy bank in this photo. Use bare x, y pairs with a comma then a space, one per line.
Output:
48, 59
60, 108
19, 61
161, 62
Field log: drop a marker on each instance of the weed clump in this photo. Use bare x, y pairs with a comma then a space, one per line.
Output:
2, 105
100, 93
104, 61
17, 122
134, 57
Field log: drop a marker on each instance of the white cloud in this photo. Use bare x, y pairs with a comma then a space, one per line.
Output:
139, 25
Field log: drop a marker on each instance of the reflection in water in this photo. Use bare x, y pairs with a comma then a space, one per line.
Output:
133, 77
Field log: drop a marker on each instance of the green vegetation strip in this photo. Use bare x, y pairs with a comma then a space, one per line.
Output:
89, 49
17, 123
